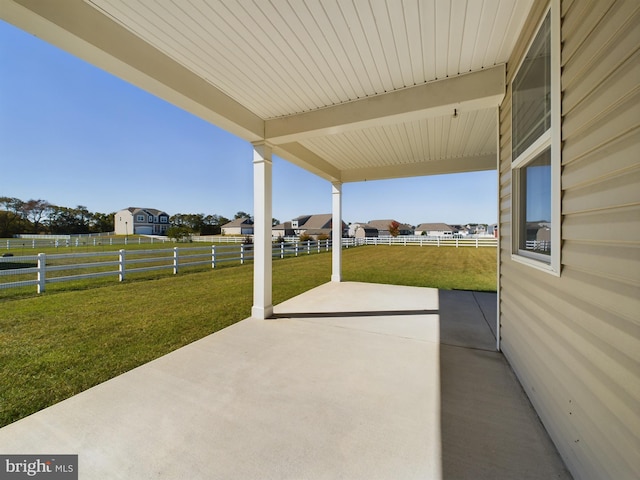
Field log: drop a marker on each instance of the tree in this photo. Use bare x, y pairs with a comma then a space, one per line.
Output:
34, 212
242, 214
179, 234
11, 220
394, 229
274, 222
101, 222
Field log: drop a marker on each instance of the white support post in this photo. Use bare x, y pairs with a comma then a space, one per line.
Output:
336, 233
42, 271
262, 213
121, 264
175, 260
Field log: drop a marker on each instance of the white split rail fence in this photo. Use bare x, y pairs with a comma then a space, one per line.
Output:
41, 269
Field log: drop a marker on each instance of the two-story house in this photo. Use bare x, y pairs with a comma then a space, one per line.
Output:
141, 221
319, 224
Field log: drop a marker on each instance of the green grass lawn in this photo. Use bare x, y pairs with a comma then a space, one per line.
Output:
59, 343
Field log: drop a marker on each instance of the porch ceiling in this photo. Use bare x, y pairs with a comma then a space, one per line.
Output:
348, 89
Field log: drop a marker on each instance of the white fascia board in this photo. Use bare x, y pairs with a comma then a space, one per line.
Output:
305, 158
433, 167
468, 92
85, 32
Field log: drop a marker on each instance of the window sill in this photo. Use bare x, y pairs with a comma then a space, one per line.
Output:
537, 264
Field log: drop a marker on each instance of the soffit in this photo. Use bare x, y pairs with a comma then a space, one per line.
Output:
347, 89
279, 58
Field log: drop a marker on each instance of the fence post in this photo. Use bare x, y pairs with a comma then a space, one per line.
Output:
308, 247
175, 260
42, 269
242, 254
476, 242
282, 250
297, 249
213, 256
456, 242
121, 264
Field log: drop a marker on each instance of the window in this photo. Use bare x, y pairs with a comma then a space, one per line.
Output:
150, 218
140, 218
163, 219
535, 149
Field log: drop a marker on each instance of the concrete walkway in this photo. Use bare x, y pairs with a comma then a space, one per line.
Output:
349, 381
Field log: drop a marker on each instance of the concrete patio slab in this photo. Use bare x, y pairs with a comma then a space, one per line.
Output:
344, 383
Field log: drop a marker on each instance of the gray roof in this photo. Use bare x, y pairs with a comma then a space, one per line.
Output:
150, 211
434, 227
318, 221
384, 224
239, 222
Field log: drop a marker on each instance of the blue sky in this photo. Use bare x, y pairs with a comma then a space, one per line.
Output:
72, 134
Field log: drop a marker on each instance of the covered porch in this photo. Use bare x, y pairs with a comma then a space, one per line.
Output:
348, 380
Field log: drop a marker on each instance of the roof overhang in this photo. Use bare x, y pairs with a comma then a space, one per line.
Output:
443, 122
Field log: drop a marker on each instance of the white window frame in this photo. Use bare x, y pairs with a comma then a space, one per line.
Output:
551, 139
140, 218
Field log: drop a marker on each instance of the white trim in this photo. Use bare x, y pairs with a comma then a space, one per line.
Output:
535, 149
556, 138
499, 236
551, 139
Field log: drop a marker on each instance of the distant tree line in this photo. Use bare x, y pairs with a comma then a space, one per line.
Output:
41, 217
182, 225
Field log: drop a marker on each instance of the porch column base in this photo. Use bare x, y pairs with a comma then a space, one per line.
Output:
262, 313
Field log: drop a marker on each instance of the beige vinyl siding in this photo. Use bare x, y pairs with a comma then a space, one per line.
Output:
574, 340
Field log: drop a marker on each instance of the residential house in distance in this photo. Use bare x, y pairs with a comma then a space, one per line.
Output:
239, 226
141, 221
362, 230
435, 230
282, 230
314, 225
383, 227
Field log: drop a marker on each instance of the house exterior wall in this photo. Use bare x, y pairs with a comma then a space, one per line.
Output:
123, 223
574, 340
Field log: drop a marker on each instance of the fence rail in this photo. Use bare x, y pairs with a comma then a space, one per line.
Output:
61, 241
422, 240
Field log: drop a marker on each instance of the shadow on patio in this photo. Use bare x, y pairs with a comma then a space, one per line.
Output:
350, 380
